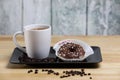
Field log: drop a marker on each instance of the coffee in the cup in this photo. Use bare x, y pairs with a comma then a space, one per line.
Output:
40, 28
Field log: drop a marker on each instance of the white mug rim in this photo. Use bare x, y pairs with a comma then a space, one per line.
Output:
29, 27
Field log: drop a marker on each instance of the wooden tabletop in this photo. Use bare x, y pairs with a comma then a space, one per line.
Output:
109, 68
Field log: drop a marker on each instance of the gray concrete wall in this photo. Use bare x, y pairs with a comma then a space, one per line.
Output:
67, 17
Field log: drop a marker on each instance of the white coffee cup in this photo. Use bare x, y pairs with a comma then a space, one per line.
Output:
37, 40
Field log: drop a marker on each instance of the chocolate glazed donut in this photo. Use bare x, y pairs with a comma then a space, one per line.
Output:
71, 51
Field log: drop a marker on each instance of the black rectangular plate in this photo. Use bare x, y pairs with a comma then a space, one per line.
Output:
18, 58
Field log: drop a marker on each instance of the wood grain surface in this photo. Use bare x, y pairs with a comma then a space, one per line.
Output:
109, 68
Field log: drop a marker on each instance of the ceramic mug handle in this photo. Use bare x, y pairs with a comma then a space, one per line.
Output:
15, 40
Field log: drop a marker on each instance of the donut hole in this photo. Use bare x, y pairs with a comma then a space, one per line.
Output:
72, 49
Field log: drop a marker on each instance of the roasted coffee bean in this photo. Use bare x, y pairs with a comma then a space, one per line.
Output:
51, 60
89, 73
56, 73
61, 77
78, 73
43, 70
81, 75
73, 74
36, 72
85, 74
90, 77
51, 71
82, 70
68, 75
64, 71
71, 71
30, 71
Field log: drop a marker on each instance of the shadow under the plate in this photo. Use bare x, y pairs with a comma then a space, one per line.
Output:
24, 66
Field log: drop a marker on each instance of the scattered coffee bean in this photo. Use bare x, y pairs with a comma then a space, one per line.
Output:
85, 74
36, 71
90, 77
30, 71
89, 73
66, 73
81, 75
82, 70
50, 71
71, 71
61, 76
73, 74
43, 70
56, 73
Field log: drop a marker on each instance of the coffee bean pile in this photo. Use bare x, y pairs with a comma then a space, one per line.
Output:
30, 71
73, 73
50, 71
25, 58
65, 73
35, 72
71, 51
